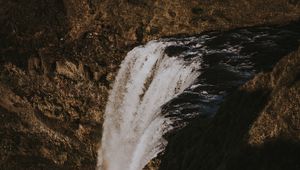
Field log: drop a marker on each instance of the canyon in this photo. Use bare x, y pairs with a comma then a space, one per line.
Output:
59, 59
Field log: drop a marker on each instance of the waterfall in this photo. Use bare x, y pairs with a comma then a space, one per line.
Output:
134, 126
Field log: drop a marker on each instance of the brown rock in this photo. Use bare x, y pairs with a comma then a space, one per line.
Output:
64, 39
69, 69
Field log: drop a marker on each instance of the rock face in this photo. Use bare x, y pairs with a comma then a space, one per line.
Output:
256, 128
57, 59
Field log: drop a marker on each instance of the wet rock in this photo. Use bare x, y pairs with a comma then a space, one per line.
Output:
152, 165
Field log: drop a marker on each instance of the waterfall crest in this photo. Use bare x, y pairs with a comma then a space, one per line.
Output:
159, 87
134, 126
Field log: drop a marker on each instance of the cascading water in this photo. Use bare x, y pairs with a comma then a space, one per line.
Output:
133, 126
159, 87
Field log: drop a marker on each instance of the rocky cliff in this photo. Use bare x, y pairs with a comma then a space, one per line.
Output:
57, 59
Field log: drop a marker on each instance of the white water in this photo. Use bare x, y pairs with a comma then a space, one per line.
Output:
133, 126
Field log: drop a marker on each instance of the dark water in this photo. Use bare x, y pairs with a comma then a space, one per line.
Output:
229, 59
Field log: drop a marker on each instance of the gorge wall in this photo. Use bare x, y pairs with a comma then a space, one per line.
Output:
57, 59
